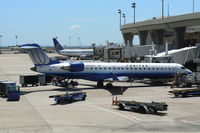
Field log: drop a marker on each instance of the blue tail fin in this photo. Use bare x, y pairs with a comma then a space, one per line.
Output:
57, 45
37, 55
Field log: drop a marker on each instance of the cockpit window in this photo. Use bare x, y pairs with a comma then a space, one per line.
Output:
183, 68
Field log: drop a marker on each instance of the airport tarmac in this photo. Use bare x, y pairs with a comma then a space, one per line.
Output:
35, 112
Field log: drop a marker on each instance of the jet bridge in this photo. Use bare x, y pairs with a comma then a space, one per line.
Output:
180, 56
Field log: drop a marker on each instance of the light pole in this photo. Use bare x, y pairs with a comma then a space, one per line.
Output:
0, 41
123, 15
119, 11
133, 6
78, 42
69, 40
162, 9
193, 6
168, 9
16, 39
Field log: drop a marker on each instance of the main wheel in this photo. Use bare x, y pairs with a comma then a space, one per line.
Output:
184, 95
121, 107
142, 109
100, 84
83, 99
154, 110
71, 100
109, 86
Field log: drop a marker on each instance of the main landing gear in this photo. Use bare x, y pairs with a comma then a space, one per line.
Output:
64, 83
100, 84
108, 85
73, 83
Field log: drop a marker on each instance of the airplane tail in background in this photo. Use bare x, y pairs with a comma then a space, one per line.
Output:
57, 45
37, 55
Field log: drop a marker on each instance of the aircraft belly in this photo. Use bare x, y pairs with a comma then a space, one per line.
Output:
93, 76
152, 75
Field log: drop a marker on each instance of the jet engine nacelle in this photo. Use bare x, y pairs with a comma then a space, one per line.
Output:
73, 67
83, 56
77, 66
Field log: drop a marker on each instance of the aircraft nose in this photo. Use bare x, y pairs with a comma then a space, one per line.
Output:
188, 71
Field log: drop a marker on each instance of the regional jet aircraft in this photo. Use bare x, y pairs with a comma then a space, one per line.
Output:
80, 53
100, 72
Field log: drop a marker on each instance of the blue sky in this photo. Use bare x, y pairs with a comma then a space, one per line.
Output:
94, 21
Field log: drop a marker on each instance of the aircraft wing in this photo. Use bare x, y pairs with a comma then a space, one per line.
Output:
120, 78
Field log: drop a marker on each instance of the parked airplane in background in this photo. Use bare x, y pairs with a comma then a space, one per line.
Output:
100, 72
80, 53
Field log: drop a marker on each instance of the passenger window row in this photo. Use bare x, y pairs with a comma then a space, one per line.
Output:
127, 68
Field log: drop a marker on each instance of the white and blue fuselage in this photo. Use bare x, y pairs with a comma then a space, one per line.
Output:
76, 52
82, 53
100, 71
113, 71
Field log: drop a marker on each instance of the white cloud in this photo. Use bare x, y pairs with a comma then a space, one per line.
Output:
74, 27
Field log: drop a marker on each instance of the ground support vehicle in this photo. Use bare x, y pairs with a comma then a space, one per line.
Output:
44, 79
142, 107
69, 97
183, 80
35, 80
29, 79
10, 90
185, 92
63, 83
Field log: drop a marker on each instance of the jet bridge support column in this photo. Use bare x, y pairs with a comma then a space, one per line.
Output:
128, 38
198, 38
157, 36
143, 37
179, 37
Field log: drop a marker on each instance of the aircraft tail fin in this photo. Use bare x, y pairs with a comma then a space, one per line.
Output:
57, 45
37, 55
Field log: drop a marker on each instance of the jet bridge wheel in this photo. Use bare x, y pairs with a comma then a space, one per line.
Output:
142, 110
100, 84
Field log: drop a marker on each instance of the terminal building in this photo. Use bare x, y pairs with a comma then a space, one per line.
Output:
161, 30
178, 32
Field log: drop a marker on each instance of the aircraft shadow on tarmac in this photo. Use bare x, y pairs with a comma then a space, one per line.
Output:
64, 103
116, 90
181, 97
32, 91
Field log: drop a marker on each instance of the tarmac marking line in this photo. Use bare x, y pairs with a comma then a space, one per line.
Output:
113, 112
134, 118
